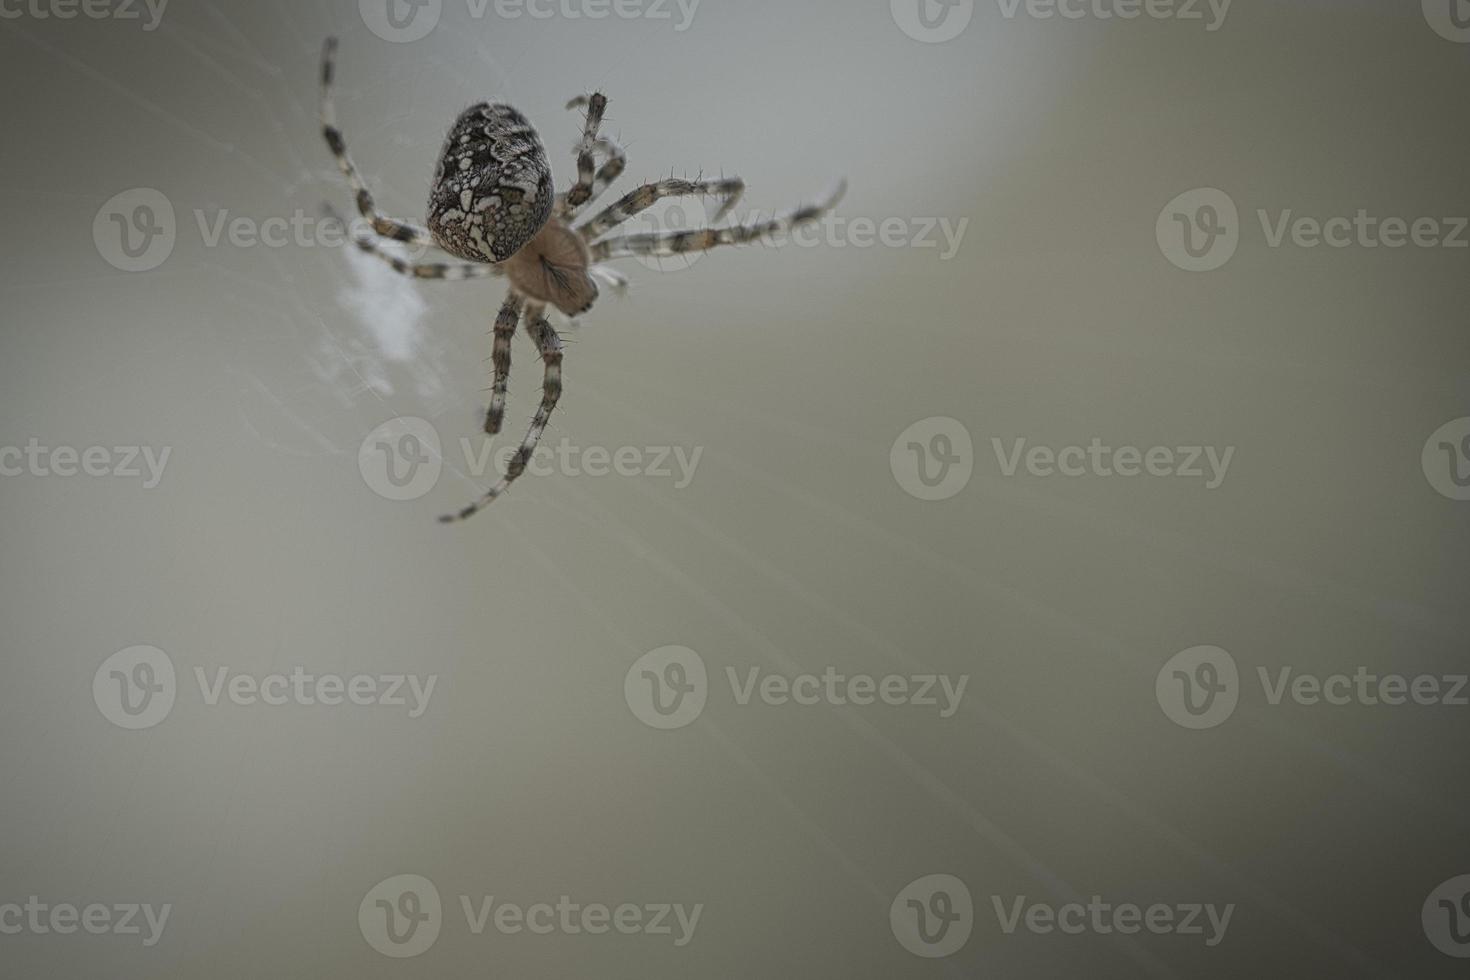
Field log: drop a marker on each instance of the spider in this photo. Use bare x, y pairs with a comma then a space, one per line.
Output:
492, 205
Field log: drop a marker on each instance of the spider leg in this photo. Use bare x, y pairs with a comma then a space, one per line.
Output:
614, 163
505, 329
581, 192
420, 270
398, 231
549, 343
641, 199
610, 277
704, 239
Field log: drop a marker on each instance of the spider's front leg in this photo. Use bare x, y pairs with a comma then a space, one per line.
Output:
635, 202
587, 183
416, 270
703, 239
398, 231
548, 342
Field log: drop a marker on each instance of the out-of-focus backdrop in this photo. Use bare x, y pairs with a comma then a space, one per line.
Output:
1053, 564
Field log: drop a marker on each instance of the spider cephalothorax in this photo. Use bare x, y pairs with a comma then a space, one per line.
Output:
493, 205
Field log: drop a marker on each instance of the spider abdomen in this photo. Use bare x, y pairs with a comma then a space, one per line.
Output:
493, 190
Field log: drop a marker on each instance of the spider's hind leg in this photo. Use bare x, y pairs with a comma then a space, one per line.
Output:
548, 342
505, 329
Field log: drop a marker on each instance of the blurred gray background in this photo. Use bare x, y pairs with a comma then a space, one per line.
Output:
796, 548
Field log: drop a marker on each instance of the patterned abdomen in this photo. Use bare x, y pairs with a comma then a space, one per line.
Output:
493, 191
